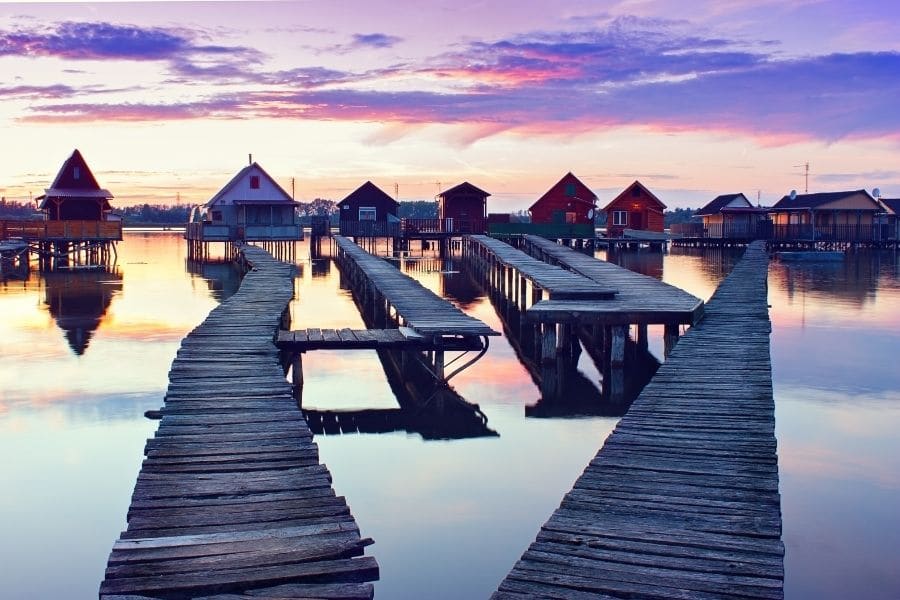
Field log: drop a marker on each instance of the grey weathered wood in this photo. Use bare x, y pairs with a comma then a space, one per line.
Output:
231, 500
682, 499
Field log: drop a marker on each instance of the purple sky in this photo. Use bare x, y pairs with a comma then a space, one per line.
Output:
694, 100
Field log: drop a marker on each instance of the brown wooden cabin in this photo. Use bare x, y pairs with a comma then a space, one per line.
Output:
830, 216
569, 202
731, 216
635, 208
369, 211
463, 209
75, 194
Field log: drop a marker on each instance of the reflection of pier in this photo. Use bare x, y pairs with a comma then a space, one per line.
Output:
412, 329
682, 499
565, 390
78, 300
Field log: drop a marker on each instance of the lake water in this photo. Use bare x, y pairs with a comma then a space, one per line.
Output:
83, 355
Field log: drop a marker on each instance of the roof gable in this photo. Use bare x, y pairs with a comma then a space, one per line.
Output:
368, 192
464, 187
75, 175
271, 193
582, 192
810, 201
738, 200
644, 193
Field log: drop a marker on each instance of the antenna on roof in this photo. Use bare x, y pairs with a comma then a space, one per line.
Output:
249, 159
806, 176
876, 193
396, 191
793, 194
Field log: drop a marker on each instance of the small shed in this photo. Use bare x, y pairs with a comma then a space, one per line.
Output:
836, 216
635, 208
463, 209
251, 207
569, 201
75, 194
731, 216
368, 210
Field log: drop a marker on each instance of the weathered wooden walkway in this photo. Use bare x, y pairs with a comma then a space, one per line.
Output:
682, 500
231, 501
402, 338
640, 298
559, 284
418, 307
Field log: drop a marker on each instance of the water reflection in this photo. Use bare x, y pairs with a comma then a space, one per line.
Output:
78, 301
432, 409
222, 278
644, 261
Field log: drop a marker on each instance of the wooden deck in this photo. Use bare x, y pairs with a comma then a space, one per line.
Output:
231, 501
682, 500
403, 338
418, 307
560, 284
640, 299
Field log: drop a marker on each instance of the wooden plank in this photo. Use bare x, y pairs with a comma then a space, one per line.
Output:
682, 499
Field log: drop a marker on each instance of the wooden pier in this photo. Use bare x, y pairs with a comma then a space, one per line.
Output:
682, 499
231, 500
395, 298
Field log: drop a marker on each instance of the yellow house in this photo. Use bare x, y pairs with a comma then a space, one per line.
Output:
830, 216
731, 216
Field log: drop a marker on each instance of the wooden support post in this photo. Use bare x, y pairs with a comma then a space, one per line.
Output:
642, 336
617, 345
670, 338
297, 376
548, 343
439, 363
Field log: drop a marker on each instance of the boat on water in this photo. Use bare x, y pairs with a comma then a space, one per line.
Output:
811, 255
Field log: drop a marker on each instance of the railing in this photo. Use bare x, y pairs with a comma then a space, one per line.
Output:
766, 230
214, 232
450, 225
61, 230
370, 229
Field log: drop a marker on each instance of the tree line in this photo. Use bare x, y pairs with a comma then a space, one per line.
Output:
177, 214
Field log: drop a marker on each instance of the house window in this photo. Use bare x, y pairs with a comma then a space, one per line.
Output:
570, 189
254, 182
620, 217
76, 172
217, 215
570, 218
367, 213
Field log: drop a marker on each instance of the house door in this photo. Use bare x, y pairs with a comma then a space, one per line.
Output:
559, 216
637, 221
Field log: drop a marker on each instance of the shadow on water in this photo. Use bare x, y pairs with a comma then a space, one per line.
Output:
78, 301
222, 277
566, 391
430, 408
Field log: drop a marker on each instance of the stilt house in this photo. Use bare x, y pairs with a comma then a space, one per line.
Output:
731, 216
636, 208
463, 209
569, 202
831, 216
369, 211
75, 194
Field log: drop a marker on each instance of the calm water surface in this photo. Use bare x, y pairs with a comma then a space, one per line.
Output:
83, 355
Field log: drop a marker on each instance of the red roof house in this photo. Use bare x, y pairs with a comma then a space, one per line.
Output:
75, 194
635, 208
569, 201
463, 209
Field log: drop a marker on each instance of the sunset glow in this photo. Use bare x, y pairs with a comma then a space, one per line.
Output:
166, 100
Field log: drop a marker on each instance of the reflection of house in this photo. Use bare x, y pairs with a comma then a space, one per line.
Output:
635, 208
78, 300
75, 194
891, 217
251, 207
569, 201
463, 209
368, 211
731, 216
831, 216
